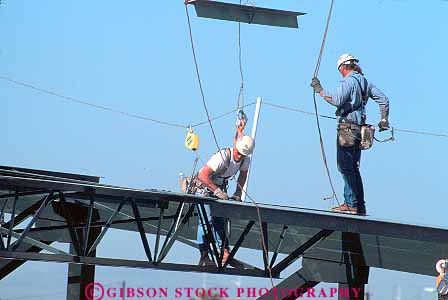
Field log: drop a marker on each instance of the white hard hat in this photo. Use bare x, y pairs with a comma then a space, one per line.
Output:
245, 145
346, 59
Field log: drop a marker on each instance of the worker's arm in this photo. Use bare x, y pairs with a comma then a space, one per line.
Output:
341, 98
342, 95
204, 176
241, 182
379, 97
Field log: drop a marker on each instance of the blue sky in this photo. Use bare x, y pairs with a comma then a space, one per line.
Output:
136, 57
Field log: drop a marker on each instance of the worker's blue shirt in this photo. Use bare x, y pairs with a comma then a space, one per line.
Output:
349, 93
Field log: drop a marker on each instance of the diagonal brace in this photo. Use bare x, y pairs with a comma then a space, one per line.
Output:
141, 230
239, 243
44, 204
300, 251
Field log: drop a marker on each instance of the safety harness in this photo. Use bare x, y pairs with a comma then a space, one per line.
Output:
343, 112
198, 187
349, 132
218, 177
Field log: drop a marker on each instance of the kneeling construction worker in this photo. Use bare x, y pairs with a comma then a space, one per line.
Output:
214, 176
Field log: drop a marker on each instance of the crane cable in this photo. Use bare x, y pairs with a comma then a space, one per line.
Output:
241, 115
316, 72
265, 251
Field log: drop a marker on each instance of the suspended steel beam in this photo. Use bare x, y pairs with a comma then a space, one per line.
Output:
245, 13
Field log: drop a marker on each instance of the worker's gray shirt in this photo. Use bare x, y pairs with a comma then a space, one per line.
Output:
348, 94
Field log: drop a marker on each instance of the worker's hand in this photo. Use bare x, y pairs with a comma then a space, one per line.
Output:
315, 84
220, 194
236, 196
383, 124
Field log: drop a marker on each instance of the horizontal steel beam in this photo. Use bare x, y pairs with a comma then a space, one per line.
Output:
245, 211
327, 220
33, 242
110, 262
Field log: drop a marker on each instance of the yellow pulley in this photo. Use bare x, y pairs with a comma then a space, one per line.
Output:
191, 140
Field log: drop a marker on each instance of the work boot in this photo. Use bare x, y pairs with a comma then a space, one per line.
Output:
233, 262
205, 260
344, 208
225, 256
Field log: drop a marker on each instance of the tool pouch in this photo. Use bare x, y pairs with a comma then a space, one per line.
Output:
348, 134
367, 136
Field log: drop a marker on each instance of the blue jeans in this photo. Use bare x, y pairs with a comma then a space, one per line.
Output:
348, 159
218, 227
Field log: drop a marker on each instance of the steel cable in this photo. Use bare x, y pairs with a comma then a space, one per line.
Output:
316, 72
72, 99
265, 252
198, 75
296, 110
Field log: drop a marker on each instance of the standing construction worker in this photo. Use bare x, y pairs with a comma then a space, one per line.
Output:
214, 177
350, 100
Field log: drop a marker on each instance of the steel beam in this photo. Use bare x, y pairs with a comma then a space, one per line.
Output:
36, 216
166, 249
141, 229
300, 251
106, 227
25, 213
109, 262
245, 13
13, 215
279, 245
30, 241
68, 217
9, 266
21, 194
159, 227
264, 230
239, 243
88, 226
298, 282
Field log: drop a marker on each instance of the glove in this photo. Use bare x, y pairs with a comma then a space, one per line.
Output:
236, 196
220, 194
315, 84
383, 124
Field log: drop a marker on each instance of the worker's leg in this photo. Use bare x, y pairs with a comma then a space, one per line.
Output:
201, 237
359, 200
348, 161
219, 226
342, 161
202, 241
